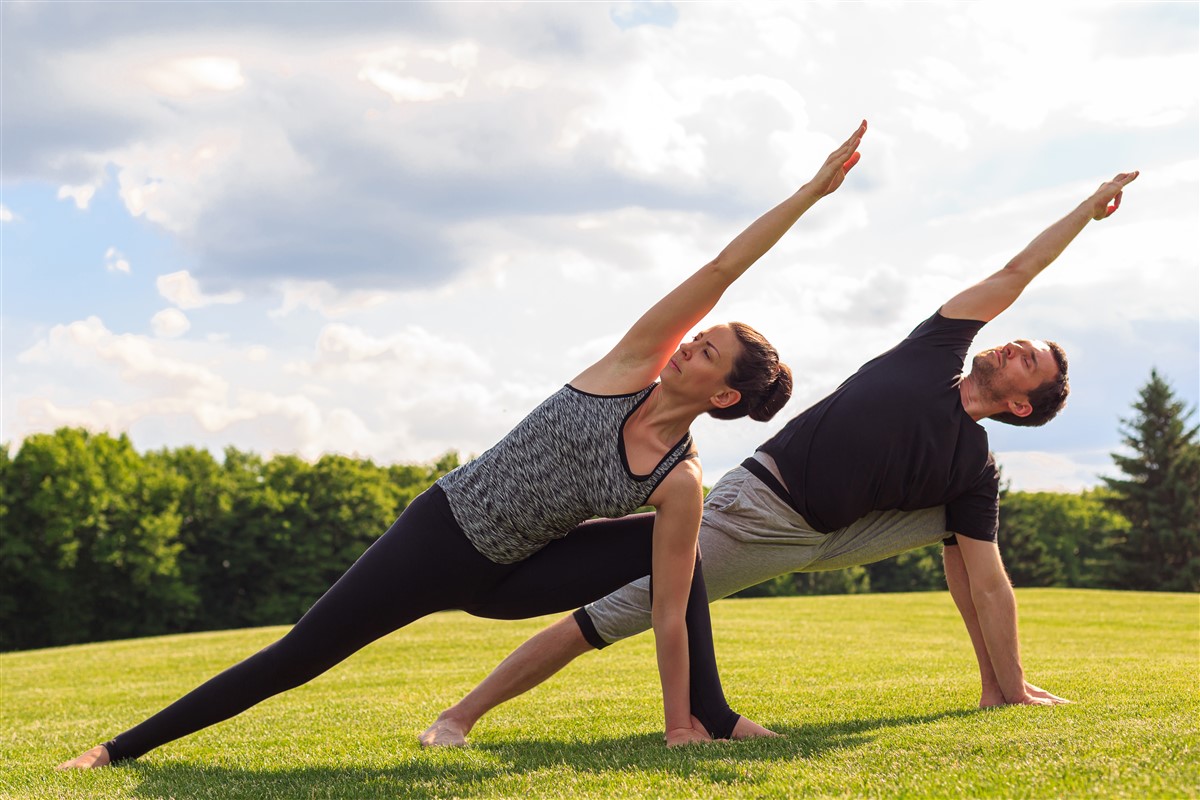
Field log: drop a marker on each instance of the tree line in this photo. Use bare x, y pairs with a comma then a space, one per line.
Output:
100, 541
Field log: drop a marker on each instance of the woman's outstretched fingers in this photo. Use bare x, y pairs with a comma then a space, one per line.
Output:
858, 132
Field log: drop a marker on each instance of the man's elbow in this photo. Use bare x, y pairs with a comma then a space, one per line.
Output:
1022, 269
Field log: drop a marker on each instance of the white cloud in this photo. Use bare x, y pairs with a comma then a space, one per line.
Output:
81, 195
169, 182
138, 357
1148, 101
184, 291
947, 127
257, 354
6, 215
182, 77
114, 261
349, 353
169, 323
391, 71
324, 298
1039, 471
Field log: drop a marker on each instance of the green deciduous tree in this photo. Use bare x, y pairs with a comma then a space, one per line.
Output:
917, 570
100, 542
1057, 539
90, 546
1158, 495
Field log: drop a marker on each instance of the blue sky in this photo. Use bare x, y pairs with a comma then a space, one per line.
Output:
390, 229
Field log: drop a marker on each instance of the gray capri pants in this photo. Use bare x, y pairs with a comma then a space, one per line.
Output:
749, 535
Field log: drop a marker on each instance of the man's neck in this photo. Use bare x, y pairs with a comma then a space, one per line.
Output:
972, 400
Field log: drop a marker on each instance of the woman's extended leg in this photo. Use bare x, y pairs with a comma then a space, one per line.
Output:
407, 573
597, 558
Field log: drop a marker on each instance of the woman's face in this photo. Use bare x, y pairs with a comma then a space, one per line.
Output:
700, 367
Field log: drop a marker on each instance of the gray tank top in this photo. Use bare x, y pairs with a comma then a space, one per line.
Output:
561, 465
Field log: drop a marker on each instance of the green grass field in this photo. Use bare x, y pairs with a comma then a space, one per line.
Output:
876, 695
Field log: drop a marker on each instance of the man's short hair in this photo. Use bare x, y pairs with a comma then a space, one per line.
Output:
1047, 400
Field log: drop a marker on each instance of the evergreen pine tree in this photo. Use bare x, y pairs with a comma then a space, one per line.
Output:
1159, 495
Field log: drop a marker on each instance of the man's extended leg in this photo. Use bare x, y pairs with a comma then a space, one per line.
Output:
524, 668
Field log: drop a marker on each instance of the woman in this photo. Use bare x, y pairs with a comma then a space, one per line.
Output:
491, 537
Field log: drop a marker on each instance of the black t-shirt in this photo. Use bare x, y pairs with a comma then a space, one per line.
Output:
895, 435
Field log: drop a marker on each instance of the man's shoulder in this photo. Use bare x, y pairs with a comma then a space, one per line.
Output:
937, 325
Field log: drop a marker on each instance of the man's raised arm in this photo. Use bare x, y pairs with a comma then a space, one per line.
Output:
985, 300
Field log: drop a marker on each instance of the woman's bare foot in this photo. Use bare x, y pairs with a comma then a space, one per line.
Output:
96, 757
745, 729
444, 732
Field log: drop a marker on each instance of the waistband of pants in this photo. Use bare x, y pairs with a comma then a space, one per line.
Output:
760, 470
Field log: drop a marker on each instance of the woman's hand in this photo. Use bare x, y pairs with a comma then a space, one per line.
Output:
645, 350
839, 163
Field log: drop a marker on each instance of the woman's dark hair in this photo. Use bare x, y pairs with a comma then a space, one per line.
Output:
764, 381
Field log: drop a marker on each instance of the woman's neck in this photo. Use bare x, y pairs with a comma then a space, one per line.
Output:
664, 417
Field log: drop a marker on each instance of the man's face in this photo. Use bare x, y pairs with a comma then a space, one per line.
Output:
1013, 370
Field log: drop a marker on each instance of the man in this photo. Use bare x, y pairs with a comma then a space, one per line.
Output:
894, 459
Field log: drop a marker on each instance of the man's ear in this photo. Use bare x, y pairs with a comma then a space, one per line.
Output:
726, 398
1019, 408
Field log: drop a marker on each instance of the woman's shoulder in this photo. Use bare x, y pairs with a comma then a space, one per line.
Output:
581, 385
686, 475
610, 376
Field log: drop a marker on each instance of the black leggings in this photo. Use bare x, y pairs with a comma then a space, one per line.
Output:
424, 563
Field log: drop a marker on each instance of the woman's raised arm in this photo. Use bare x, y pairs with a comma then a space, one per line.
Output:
644, 351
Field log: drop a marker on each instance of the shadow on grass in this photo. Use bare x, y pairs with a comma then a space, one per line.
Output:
505, 767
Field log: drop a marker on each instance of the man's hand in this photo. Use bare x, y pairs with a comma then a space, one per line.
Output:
986, 299
840, 162
1107, 198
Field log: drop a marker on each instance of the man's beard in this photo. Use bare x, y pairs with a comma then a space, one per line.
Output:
984, 371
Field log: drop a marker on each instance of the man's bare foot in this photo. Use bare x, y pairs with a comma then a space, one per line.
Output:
444, 732
96, 757
697, 734
745, 729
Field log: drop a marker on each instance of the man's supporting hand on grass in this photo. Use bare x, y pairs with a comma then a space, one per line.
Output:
959, 580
